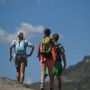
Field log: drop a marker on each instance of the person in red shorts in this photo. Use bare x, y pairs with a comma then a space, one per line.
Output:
47, 57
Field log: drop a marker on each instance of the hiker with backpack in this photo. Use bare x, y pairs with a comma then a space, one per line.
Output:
47, 57
60, 55
20, 55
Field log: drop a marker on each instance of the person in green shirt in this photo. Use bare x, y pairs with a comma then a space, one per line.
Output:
60, 55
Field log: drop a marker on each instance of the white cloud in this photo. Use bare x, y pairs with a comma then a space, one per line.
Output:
3, 35
28, 30
28, 80
61, 35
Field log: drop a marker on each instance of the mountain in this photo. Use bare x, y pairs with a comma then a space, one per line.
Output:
76, 77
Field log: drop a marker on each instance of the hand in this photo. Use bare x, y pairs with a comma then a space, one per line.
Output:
64, 68
28, 55
54, 62
54, 59
38, 57
10, 58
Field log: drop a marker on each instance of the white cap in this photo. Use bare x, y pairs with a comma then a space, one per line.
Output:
20, 32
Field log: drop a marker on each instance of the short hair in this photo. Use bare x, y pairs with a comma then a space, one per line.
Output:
55, 36
47, 32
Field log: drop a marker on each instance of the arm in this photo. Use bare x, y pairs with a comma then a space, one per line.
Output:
53, 51
11, 46
32, 49
11, 53
39, 50
64, 59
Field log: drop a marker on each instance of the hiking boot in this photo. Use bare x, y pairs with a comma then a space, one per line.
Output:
51, 89
42, 87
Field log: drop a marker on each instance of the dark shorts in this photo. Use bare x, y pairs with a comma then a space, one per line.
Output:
20, 62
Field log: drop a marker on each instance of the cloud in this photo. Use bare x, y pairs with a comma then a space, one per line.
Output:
3, 35
28, 30
61, 35
28, 80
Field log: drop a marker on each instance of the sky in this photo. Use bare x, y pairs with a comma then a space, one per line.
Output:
69, 18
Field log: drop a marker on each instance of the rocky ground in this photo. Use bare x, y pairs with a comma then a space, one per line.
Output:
7, 84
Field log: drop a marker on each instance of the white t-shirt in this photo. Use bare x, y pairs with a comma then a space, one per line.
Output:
26, 44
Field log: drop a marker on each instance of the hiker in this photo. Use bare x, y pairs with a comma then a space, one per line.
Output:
60, 55
20, 55
47, 57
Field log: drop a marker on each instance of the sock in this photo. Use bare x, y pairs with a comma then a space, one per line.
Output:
42, 85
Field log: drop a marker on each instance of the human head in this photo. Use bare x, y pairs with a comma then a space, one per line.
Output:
47, 32
20, 35
55, 36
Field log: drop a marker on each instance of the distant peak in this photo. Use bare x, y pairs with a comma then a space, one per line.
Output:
87, 59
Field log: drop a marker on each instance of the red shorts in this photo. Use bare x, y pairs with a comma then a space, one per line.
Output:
47, 62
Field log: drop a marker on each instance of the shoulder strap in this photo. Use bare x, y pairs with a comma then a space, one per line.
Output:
61, 48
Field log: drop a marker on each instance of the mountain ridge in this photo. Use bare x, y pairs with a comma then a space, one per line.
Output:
75, 77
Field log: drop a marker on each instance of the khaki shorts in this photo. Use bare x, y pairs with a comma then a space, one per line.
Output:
20, 62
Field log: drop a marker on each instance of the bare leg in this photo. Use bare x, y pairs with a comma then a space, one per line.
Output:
51, 78
59, 82
43, 68
22, 70
18, 73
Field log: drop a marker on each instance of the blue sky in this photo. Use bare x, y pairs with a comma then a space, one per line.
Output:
69, 18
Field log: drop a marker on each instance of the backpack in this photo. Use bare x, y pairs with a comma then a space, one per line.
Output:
45, 48
20, 47
58, 52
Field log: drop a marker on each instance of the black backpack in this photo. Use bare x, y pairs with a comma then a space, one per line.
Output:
58, 51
